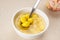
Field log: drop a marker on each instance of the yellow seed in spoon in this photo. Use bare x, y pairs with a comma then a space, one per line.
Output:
26, 24
30, 20
23, 19
27, 16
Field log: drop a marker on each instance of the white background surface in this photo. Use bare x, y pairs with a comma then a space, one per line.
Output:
9, 7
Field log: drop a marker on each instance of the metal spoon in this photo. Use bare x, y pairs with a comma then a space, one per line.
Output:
34, 7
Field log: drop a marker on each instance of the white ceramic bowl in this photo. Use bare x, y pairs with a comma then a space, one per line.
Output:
29, 36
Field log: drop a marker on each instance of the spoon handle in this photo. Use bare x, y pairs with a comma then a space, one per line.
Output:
34, 7
36, 4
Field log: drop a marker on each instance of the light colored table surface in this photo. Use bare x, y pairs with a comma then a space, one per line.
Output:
7, 9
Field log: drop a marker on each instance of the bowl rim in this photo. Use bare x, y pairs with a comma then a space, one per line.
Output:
25, 33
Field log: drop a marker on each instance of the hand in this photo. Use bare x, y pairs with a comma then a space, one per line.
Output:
54, 5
